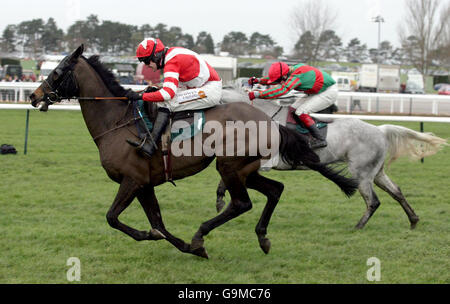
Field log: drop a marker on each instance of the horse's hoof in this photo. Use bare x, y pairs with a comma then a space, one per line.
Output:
265, 244
359, 227
197, 244
414, 223
219, 205
201, 252
155, 235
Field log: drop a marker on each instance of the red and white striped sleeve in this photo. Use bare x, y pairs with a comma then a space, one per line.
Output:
170, 85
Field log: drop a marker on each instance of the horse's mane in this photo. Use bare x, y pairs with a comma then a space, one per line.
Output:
107, 76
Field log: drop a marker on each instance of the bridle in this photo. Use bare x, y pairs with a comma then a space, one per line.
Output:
54, 95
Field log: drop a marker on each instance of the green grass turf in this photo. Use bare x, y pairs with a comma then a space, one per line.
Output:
54, 201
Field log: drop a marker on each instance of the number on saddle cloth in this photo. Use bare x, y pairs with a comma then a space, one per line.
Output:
185, 124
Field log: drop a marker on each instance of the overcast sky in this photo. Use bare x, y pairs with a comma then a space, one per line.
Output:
216, 17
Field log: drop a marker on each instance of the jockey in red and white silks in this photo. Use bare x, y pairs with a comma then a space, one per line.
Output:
189, 81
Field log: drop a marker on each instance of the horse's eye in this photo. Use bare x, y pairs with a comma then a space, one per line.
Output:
56, 74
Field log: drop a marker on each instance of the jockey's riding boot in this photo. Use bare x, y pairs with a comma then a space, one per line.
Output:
146, 146
318, 140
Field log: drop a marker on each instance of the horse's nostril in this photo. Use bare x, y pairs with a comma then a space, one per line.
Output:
32, 96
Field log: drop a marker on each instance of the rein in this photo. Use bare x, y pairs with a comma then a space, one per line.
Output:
117, 127
54, 96
276, 113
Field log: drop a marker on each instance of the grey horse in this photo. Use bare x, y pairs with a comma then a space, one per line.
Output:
365, 149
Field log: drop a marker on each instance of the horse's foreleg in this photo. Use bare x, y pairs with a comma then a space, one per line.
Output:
385, 183
150, 204
272, 190
127, 192
371, 199
154, 217
221, 189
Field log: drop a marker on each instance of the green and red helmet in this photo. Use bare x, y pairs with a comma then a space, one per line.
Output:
277, 71
149, 47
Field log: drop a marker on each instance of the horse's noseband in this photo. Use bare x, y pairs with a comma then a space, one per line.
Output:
51, 97
54, 95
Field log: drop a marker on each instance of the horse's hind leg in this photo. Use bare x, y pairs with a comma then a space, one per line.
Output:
127, 192
385, 183
366, 189
240, 203
272, 190
221, 189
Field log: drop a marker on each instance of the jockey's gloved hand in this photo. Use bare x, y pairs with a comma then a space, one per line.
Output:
151, 89
253, 94
132, 95
253, 80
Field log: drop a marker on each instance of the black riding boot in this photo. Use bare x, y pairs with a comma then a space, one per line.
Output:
146, 146
318, 140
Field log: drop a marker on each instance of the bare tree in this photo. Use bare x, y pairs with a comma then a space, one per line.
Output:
423, 30
442, 52
315, 17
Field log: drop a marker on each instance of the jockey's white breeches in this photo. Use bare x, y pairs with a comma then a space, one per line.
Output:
317, 102
207, 96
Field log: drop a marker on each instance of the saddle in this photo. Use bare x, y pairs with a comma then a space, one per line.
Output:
294, 123
193, 121
182, 125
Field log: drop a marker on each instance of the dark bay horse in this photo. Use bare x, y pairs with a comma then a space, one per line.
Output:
111, 122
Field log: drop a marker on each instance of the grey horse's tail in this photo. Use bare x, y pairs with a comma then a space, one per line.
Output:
295, 151
406, 142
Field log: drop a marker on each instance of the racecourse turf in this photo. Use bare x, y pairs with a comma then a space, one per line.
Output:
54, 201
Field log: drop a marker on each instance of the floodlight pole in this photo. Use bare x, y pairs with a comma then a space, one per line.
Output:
378, 19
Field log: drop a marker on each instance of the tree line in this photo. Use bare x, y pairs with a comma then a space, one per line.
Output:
424, 35
38, 36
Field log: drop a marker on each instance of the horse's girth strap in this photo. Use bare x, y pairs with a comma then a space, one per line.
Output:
165, 148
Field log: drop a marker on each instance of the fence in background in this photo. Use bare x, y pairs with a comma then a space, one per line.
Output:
349, 102
401, 104
420, 119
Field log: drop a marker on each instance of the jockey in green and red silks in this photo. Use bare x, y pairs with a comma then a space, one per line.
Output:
318, 85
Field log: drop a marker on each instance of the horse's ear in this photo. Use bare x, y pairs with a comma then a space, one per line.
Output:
76, 54
79, 51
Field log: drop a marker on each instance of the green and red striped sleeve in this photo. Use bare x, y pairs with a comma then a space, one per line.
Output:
264, 80
290, 84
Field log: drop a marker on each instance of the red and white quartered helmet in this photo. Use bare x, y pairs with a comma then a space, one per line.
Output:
277, 71
149, 47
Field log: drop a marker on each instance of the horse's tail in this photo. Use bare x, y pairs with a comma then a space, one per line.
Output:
295, 151
406, 142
